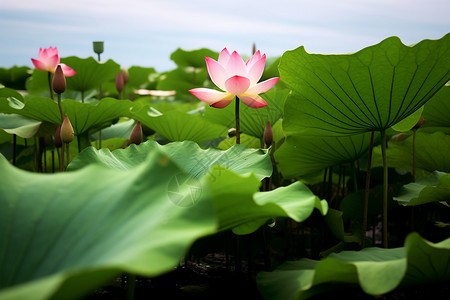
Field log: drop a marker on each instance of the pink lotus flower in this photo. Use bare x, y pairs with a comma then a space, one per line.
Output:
48, 60
236, 78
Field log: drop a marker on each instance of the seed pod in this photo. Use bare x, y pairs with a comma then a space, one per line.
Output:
59, 81
98, 47
126, 75
268, 135
66, 131
136, 134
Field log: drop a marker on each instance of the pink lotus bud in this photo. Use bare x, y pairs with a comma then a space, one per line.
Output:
59, 81
268, 135
235, 78
136, 134
67, 133
119, 82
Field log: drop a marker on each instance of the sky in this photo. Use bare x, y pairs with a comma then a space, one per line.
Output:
145, 33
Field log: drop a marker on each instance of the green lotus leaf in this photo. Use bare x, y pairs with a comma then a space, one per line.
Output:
433, 188
409, 122
83, 116
11, 94
140, 77
19, 125
188, 155
90, 73
63, 235
230, 191
304, 155
192, 58
437, 111
178, 126
370, 90
431, 152
376, 271
14, 77
182, 80
252, 121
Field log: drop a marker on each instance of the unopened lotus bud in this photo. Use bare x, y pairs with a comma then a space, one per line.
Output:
268, 135
66, 131
136, 134
98, 47
58, 142
126, 75
59, 80
231, 132
119, 82
419, 123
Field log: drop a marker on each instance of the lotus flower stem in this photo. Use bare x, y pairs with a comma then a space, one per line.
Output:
366, 193
68, 154
131, 283
385, 188
50, 84
238, 126
61, 161
60, 108
414, 156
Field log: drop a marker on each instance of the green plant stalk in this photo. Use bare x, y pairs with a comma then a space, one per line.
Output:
238, 130
82, 96
60, 108
414, 156
50, 84
67, 153
131, 283
355, 180
366, 193
385, 187
61, 162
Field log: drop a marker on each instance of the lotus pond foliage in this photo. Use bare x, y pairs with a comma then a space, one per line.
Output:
333, 177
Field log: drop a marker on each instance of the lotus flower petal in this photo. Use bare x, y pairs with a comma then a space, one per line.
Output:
253, 59
236, 65
263, 86
68, 71
237, 85
256, 69
254, 101
217, 72
224, 56
213, 97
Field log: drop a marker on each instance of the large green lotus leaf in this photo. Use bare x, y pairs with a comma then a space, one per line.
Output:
192, 58
377, 271
432, 152
433, 188
83, 116
370, 90
14, 77
19, 125
437, 111
303, 155
90, 73
64, 234
140, 77
182, 79
178, 126
188, 155
239, 205
10, 93
252, 121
